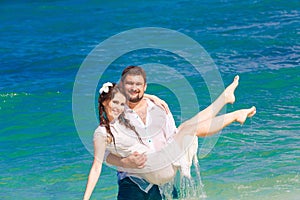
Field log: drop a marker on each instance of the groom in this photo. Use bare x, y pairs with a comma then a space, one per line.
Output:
157, 126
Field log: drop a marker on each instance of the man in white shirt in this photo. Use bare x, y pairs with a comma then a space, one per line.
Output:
155, 127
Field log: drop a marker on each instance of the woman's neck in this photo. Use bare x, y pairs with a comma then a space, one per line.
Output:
110, 118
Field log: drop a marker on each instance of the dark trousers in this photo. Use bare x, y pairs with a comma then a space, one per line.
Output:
128, 190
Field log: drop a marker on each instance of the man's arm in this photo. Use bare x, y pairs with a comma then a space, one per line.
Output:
134, 160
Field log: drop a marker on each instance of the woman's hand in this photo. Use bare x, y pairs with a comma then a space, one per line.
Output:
161, 103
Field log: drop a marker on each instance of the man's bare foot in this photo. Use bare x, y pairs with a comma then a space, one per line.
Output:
229, 91
244, 113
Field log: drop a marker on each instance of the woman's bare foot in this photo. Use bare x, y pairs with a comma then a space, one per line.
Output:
244, 113
229, 91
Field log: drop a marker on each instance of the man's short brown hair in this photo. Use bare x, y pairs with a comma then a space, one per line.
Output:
133, 70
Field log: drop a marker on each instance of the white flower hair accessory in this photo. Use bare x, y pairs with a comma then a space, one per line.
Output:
105, 87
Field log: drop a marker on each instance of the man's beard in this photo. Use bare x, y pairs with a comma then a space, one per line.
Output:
136, 99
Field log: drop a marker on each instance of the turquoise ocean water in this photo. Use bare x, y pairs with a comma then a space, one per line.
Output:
43, 44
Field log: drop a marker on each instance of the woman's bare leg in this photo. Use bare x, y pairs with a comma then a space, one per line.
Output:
204, 128
213, 109
214, 125
187, 142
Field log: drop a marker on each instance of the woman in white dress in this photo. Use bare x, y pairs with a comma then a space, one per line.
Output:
108, 136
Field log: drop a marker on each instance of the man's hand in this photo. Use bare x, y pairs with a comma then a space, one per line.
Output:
134, 160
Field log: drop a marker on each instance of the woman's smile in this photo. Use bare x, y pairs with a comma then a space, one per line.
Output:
116, 106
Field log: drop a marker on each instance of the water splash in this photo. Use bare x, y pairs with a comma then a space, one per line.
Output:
183, 188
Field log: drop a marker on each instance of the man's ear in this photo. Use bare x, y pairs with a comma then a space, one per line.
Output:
145, 88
